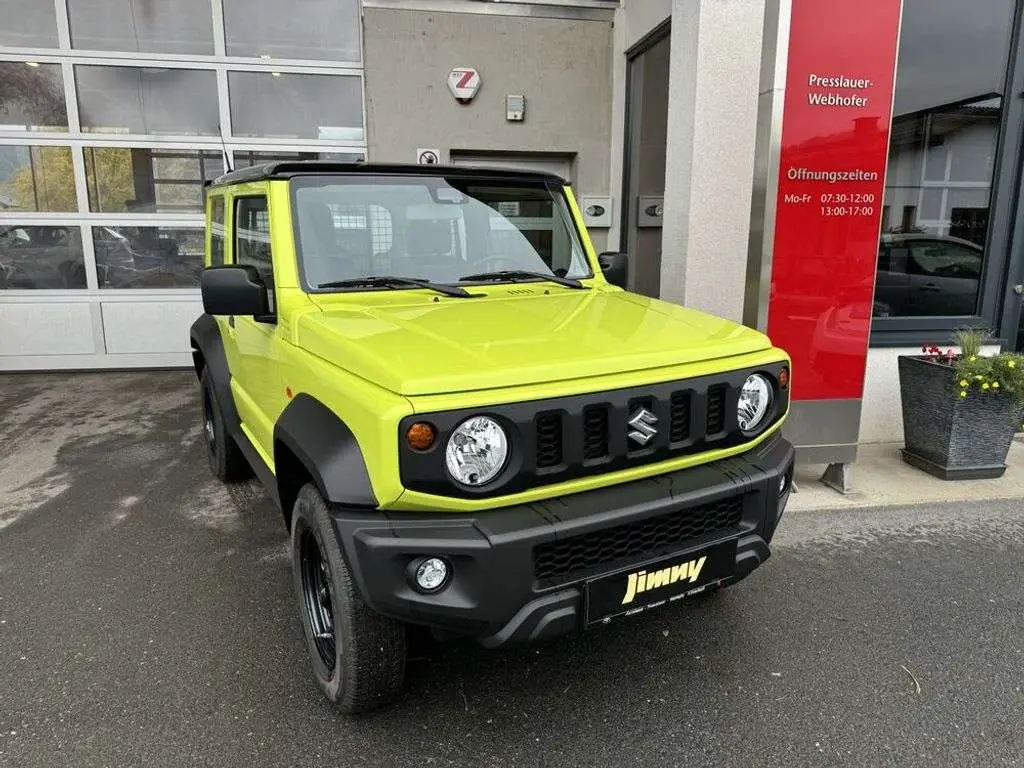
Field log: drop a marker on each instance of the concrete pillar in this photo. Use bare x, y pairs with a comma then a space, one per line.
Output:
709, 165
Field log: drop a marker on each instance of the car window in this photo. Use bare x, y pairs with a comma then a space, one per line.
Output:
216, 230
252, 239
940, 259
435, 228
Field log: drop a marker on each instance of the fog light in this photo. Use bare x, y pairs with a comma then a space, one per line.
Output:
431, 574
783, 483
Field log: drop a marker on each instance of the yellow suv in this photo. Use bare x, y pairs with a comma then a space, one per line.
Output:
467, 423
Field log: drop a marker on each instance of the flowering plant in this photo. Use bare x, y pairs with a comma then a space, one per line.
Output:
987, 374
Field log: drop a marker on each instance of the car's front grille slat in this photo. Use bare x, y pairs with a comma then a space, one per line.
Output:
595, 432
715, 409
574, 557
549, 439
679, 429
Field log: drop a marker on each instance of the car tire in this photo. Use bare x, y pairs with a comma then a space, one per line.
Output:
358, 656
227, 462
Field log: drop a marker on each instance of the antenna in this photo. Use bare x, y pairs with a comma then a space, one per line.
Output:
224, 150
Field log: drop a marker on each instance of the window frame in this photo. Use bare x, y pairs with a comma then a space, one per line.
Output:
236, 202
999, 309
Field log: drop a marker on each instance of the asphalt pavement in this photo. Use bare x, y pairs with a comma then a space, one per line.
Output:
146, 619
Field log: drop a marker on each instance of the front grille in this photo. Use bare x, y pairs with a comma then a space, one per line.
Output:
595, 432
680, 410
558, 439
716, 409
549, 439
565, 560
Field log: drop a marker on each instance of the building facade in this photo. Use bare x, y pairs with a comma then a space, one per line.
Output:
114, 112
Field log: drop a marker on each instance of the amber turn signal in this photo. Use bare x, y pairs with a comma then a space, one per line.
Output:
784, 378
421, 436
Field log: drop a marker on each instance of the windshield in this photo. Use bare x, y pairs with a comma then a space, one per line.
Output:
432, 228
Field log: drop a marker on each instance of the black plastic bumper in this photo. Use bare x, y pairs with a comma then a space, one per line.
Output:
494, 593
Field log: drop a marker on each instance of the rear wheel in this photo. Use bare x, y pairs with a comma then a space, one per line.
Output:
226, 459
357, 655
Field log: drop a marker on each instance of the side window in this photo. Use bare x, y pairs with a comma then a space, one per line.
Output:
216, 231
252, 239
946, 260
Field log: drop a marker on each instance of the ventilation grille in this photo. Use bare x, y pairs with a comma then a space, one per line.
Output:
549, 439
565, 560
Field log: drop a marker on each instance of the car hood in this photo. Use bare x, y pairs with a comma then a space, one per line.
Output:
423, 347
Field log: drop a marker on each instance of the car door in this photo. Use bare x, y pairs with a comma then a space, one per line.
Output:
256, 376
944, 277
892, 283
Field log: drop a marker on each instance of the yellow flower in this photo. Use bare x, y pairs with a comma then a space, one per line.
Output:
979, 377
995, 385
964, 382
985, 385
973, 358
1011, 363
963, 394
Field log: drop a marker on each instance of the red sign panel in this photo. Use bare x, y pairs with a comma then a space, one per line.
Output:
835, 136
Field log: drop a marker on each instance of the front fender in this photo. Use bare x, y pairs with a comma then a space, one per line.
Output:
325, 446
208, 352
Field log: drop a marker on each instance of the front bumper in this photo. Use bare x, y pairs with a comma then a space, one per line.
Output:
503, 589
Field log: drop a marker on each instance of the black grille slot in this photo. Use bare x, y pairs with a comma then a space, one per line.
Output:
716, 409
680, 423
578, 556
595, 432
549, 439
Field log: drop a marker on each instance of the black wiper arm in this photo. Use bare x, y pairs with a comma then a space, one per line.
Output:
389, 281
521, 274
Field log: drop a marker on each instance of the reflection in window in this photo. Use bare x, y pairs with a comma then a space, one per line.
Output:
41, 257
148, 180
272, 104
252, 238
304, 29
36, 178
148, 257
32, 96
28, 24
183, 26
217, 230
949, 83
147, 100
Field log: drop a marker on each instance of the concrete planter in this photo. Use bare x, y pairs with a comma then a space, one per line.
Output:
948, 436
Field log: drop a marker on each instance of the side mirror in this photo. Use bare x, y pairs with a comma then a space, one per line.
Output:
615, 267
234, 290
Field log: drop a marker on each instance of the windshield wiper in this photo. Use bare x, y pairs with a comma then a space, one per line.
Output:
522, 274
389, 281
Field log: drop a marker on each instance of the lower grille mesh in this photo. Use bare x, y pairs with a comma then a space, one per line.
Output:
574, 557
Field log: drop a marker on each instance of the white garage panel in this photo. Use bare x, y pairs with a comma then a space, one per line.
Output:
152, 327
46, 329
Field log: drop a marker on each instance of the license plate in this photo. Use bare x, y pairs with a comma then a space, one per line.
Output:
664, 581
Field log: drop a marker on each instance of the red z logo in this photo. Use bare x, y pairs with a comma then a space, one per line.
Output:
467, 76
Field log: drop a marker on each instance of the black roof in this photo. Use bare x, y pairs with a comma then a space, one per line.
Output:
290, 169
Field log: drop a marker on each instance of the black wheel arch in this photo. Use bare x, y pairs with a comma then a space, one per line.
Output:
312, 444
208, 353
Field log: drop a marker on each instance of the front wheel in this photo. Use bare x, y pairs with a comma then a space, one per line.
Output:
358, 656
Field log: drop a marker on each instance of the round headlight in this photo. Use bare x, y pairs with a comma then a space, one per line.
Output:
755, 402
476, 451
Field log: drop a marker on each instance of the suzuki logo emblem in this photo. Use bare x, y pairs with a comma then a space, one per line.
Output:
643, 429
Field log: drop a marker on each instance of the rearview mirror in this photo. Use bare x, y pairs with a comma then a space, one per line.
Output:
234, 290
615, 267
